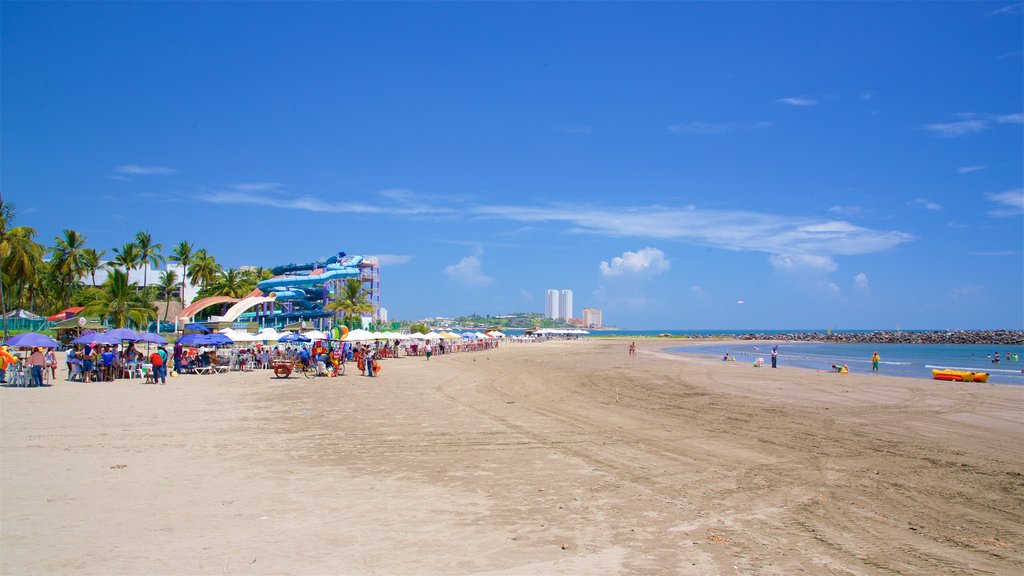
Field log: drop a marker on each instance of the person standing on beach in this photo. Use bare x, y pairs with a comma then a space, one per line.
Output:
632, 349
874, 362
178, 353
775, 356
428, 350
37, 361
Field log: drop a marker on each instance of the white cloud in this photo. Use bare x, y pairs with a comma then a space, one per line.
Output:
797, 101
954, 129
993, 253
972, 124
468, 271
1012, 202
969, 169
792, 262
846, 210
393, 259
711, 128
647, 260
258, 187
860, 281
1008, 10
867, 95
143, 170
925, 203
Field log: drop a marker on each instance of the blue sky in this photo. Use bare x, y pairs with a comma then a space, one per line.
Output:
847, 165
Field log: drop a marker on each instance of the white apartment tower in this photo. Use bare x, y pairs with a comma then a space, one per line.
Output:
565, 305
551, 304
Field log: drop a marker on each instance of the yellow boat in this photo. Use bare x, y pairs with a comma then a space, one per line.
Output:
960, 376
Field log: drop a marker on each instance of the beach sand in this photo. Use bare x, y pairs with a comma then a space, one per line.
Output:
553, 458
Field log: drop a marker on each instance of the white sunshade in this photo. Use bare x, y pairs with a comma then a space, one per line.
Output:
432, 336
268, 334
241, 336
358, 335
315, 335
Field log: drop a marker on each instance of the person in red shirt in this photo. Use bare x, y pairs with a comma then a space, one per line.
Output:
159, 367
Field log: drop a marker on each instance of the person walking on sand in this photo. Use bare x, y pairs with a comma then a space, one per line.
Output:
428, 350
874, 362
775, 356
37, 361
632, 349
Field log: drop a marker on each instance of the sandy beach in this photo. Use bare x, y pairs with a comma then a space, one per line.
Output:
554, 458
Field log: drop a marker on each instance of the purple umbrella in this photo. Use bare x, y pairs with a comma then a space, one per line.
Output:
31, 340
125, 334
151, 338
95, 338
194, 340
293, 337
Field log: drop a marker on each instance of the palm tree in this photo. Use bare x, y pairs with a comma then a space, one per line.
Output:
92, 260
204, 269
352, 301
68, 261
149, 253
19, 253
127, 259
228, 283
182, 254
168, 282
120, 302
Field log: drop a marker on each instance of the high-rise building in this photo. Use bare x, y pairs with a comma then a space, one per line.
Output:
592, 318
565, 305
551, 304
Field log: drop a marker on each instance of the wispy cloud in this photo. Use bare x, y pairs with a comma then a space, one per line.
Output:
925, 203
468, 271
847, 211
391, 202
969, 169
993, 253
1011, 203
798, 240
1008, 10
136, 170
713, 128
644, 261
793, 261
972, 124
867, 95
797, 101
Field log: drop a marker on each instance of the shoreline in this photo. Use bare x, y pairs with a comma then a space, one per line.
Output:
555, 457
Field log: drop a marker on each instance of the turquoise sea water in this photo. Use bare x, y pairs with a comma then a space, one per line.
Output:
913, 360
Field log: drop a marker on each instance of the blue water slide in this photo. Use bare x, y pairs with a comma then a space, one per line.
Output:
332, 272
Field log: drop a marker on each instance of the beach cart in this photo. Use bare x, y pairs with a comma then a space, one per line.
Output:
282, 368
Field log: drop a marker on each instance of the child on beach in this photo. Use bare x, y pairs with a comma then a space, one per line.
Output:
874, 362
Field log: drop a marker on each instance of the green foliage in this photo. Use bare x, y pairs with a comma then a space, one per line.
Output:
120, 301
419, 327
352, 301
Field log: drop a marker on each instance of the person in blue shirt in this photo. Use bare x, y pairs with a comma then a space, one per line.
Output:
108, 364
304, 356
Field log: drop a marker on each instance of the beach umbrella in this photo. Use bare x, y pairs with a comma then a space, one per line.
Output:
31, 340
469, 335
198, 328
315, 335
151, 338
357, 335
96, 338
125, 334
194, 340
293, 337
216, 339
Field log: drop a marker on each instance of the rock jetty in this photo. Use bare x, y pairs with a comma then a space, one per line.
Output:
993, 337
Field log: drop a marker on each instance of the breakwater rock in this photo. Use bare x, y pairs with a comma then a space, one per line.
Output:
993, 337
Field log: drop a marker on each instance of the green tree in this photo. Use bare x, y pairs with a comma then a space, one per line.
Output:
182, 254
68, 261
227, 283
204, 269
149, 253
19, 254
352, 301
127, 258
93, 262
120, 301
166, 289
419, 327
252, 277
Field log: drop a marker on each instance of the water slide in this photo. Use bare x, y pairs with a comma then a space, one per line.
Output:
348, 267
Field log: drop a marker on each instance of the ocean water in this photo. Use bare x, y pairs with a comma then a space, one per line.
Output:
911, 360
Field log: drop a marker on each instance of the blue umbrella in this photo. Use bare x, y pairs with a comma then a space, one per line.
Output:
194, 340
31, 340
152, 338
95, 338
198, 328
217, 339
125, 334
293, 337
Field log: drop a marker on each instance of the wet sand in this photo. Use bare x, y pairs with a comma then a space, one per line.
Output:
554, 458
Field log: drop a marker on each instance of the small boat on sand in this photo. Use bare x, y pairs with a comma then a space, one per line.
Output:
960, 376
